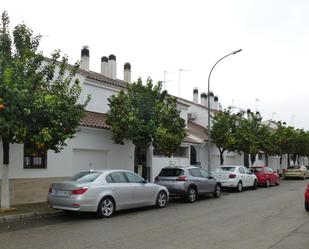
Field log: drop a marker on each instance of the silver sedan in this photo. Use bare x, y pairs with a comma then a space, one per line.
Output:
106, 191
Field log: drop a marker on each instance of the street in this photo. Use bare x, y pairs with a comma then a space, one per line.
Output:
254, 219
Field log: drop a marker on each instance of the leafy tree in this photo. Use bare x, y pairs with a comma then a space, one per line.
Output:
144, 114
251, 135
38, 97
224, 125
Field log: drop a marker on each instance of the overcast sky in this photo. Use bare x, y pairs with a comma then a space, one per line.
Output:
165, 35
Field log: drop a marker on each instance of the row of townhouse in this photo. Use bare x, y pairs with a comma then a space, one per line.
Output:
93, 147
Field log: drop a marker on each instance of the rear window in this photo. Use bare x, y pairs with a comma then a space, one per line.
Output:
294, 167
85, 176
171, 172
225, 169
257, 170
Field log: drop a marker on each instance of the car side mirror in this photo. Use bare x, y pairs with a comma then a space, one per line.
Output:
210, 177
145, 181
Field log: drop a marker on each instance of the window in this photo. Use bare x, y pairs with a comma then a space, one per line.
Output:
109, 179
204, 173
242, 170
85, 176
268, 170
119, 177
133, 178
171, 172
37, 160
225, 169
181, 152
195, 172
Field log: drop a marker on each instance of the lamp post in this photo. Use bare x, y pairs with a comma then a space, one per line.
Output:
208, 103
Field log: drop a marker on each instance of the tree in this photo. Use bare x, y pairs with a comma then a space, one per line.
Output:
251, 135
223, 129
38, 97
144, 114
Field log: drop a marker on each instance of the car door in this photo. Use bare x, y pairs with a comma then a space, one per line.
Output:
121, 189
143, 193
244, 176
196, 179
208, 181
270, 175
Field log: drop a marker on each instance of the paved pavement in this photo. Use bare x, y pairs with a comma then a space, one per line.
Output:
255, 219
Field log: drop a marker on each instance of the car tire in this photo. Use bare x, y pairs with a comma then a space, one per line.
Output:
307, 206
106, 207
161, 201
217, 191
255, 184
267, 183
191, 195
239, 187
278, 181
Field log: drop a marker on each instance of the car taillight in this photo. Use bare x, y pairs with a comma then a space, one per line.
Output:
285, 170
79, 191
232, 175
157, 178
182, 178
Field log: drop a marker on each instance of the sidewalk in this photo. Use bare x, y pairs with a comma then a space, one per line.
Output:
27, 211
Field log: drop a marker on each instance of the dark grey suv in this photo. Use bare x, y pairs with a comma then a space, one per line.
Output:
188, 182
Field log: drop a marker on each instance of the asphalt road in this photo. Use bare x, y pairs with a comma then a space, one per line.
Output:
264, 218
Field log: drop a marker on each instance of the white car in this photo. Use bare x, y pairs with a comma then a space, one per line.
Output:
237, 177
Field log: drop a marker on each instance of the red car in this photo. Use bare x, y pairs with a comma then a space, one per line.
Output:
307, 198
266, 176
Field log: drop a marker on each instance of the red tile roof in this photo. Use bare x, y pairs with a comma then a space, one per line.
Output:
95, 120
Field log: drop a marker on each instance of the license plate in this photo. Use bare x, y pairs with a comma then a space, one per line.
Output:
61, 192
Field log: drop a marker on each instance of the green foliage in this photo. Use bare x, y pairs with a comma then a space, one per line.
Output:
223, 130
142, 113
39, 96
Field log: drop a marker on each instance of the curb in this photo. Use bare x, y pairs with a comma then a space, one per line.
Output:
32, 215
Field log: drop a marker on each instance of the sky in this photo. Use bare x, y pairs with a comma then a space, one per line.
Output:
270, 74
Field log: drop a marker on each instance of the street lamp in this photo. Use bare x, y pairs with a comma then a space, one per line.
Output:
208, 103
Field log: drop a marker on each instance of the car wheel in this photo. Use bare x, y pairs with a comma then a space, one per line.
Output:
161, 201
267, 183
278, 181
191, 195
217, 192
106, 207
307, 206
239, 187
255, 183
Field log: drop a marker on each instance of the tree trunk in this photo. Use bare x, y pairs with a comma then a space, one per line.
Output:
252, 158
221, 157
5, 191
266, 159
246, 160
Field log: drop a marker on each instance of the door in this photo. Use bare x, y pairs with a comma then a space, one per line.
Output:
244, 176
208, 183
121, 189
143, 193
84, 160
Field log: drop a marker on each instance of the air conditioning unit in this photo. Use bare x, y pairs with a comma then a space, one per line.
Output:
191, 116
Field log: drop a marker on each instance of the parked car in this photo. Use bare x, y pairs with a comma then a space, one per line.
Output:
299, 171
237, 177
265, 176
106, 191
188, 182
307, 198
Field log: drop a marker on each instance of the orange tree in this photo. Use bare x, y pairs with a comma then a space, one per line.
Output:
38, 97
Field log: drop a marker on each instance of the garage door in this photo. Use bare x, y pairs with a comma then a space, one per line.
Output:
89, 159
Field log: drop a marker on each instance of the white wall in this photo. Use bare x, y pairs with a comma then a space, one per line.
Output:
60, 164
99, 95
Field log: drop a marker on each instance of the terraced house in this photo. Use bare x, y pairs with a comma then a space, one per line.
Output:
93, 147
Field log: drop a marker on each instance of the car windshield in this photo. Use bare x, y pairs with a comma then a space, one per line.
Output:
225, 169
257, 170
171, 172
85, 176
294, 167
